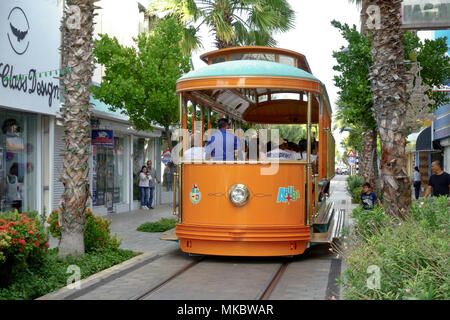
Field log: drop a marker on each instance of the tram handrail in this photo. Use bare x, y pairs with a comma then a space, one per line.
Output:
175, 177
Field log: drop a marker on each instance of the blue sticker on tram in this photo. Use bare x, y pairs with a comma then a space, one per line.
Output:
195, 194
287, 194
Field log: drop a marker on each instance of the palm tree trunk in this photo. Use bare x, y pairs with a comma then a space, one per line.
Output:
389, 97
77, 47
369, 165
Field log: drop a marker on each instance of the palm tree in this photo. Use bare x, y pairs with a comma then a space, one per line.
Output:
368, 164
388, 75
77, 55
234, 22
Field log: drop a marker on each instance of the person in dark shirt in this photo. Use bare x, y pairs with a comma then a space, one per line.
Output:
368, 198
439, 182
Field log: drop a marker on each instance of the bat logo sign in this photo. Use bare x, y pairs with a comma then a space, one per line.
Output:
102, 134
19, 29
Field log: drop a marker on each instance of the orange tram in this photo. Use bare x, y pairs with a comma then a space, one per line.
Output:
262, 207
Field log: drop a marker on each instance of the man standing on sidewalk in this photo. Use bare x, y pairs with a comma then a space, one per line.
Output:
439, 182
152, 173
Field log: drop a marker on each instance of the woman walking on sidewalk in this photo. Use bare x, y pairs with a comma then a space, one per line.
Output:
143, 183
417, 182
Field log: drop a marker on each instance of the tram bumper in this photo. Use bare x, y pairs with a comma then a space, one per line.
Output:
243, 241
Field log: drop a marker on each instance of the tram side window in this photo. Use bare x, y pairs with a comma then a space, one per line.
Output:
256, 149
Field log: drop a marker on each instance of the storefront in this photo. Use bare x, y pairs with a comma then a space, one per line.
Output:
441, 133
118, 154
29, 100
421, 151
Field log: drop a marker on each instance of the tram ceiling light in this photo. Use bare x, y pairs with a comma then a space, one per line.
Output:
239, 195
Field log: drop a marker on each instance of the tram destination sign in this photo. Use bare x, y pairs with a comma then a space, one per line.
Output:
426, 14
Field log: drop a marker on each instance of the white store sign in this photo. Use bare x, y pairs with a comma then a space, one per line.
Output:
426, 14
29, 46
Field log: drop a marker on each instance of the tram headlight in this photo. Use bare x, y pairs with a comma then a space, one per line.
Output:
239, 195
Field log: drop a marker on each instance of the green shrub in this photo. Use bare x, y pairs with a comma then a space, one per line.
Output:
412, 255
5, 243
160, 226
26, 243
434, 213
51, 275
353, 182
356, 195
354, 187
368, 222
97, 234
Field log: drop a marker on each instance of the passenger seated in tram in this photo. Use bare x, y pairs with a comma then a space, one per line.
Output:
222, 137
196, 152
252, 151
302, 148
281, 151
294, 149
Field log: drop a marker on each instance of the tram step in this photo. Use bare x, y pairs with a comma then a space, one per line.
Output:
334, 230
336, 226
169, 235
325, 213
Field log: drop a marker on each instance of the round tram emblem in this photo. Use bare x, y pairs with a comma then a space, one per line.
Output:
195, 194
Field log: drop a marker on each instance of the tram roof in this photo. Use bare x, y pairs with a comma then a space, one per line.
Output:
231, 86
249, 68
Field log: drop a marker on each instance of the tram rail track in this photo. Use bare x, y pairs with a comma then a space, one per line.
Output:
266, 293
275, 280
163, 283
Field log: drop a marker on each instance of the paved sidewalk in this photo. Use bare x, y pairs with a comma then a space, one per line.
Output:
125, 224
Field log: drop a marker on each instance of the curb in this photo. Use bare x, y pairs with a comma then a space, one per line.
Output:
65, 292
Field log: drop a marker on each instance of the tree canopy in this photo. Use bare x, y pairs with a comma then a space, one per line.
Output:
353, 63
233, 22
140, 81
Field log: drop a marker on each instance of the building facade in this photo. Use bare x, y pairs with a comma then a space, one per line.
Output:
441, 126
31, 141
29, 101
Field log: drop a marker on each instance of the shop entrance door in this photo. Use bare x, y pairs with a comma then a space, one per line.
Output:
105, 177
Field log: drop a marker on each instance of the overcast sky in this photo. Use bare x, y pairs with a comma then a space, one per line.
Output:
313, 36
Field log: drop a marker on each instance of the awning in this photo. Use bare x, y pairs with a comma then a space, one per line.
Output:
424, 143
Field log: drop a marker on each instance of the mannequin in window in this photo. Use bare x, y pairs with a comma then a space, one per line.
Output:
12, 188
13, 141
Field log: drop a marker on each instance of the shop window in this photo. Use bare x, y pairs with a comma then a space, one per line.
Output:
18, 188
167, 166
109, 169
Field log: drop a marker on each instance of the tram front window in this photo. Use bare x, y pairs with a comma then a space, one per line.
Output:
253, 56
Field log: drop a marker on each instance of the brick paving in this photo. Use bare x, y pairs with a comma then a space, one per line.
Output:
221, 278
124, 225
136, 283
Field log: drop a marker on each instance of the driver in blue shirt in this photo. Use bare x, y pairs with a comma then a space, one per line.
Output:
222, 145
